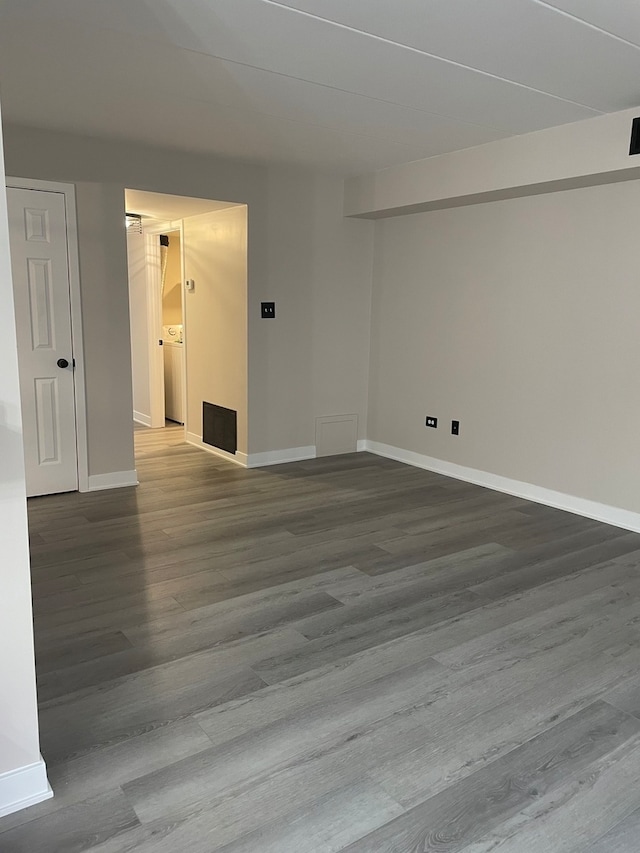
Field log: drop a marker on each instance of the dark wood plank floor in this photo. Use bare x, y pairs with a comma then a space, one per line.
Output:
345, 654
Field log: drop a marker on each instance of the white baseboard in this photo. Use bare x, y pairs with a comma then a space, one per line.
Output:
278, 457
115, 480
24, 787
238, 458
579, 506
139, 418
362, 445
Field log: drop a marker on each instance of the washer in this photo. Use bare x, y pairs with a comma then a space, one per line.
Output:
172, 334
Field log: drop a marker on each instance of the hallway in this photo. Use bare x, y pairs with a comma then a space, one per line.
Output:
346, 653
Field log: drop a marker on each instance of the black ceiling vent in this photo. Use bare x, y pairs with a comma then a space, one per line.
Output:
220, 427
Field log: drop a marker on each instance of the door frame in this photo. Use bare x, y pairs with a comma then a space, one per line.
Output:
154, 328
154, 318
75, 300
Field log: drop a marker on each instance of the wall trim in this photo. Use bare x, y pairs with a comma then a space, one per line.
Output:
239, 458
139, 418
24, 787
279, 457
559, 500
114, 480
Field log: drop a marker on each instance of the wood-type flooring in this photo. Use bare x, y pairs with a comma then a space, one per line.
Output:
344, 654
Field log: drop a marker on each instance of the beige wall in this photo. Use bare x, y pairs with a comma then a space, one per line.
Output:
215, 251
310, 360
520, 319
18, 716
172, 297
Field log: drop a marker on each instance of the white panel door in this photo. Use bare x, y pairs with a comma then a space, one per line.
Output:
38, 239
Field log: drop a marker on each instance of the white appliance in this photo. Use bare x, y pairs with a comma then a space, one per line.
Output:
173, 373
172, 334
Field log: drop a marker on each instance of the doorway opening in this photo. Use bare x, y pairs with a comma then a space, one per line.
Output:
187, 260
173, 379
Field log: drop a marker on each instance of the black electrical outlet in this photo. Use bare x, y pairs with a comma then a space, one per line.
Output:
268, 309
455, 427
431, 422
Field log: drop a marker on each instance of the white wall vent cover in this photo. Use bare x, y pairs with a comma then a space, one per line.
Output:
336, 434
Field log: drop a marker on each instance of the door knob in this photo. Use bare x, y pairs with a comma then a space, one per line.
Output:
62, 362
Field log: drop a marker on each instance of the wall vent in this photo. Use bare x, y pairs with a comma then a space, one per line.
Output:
336, 434
220, 427
634, 146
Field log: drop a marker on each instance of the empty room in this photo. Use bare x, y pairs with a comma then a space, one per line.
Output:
339, 551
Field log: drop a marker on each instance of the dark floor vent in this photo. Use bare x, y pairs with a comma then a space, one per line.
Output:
220, 427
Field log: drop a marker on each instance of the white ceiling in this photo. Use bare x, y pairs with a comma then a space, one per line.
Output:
341, 85
167, 207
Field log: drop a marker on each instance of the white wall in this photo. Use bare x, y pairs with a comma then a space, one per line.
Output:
137, 266
520, 319
22, 775
105, 322
312, 360
584, 153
